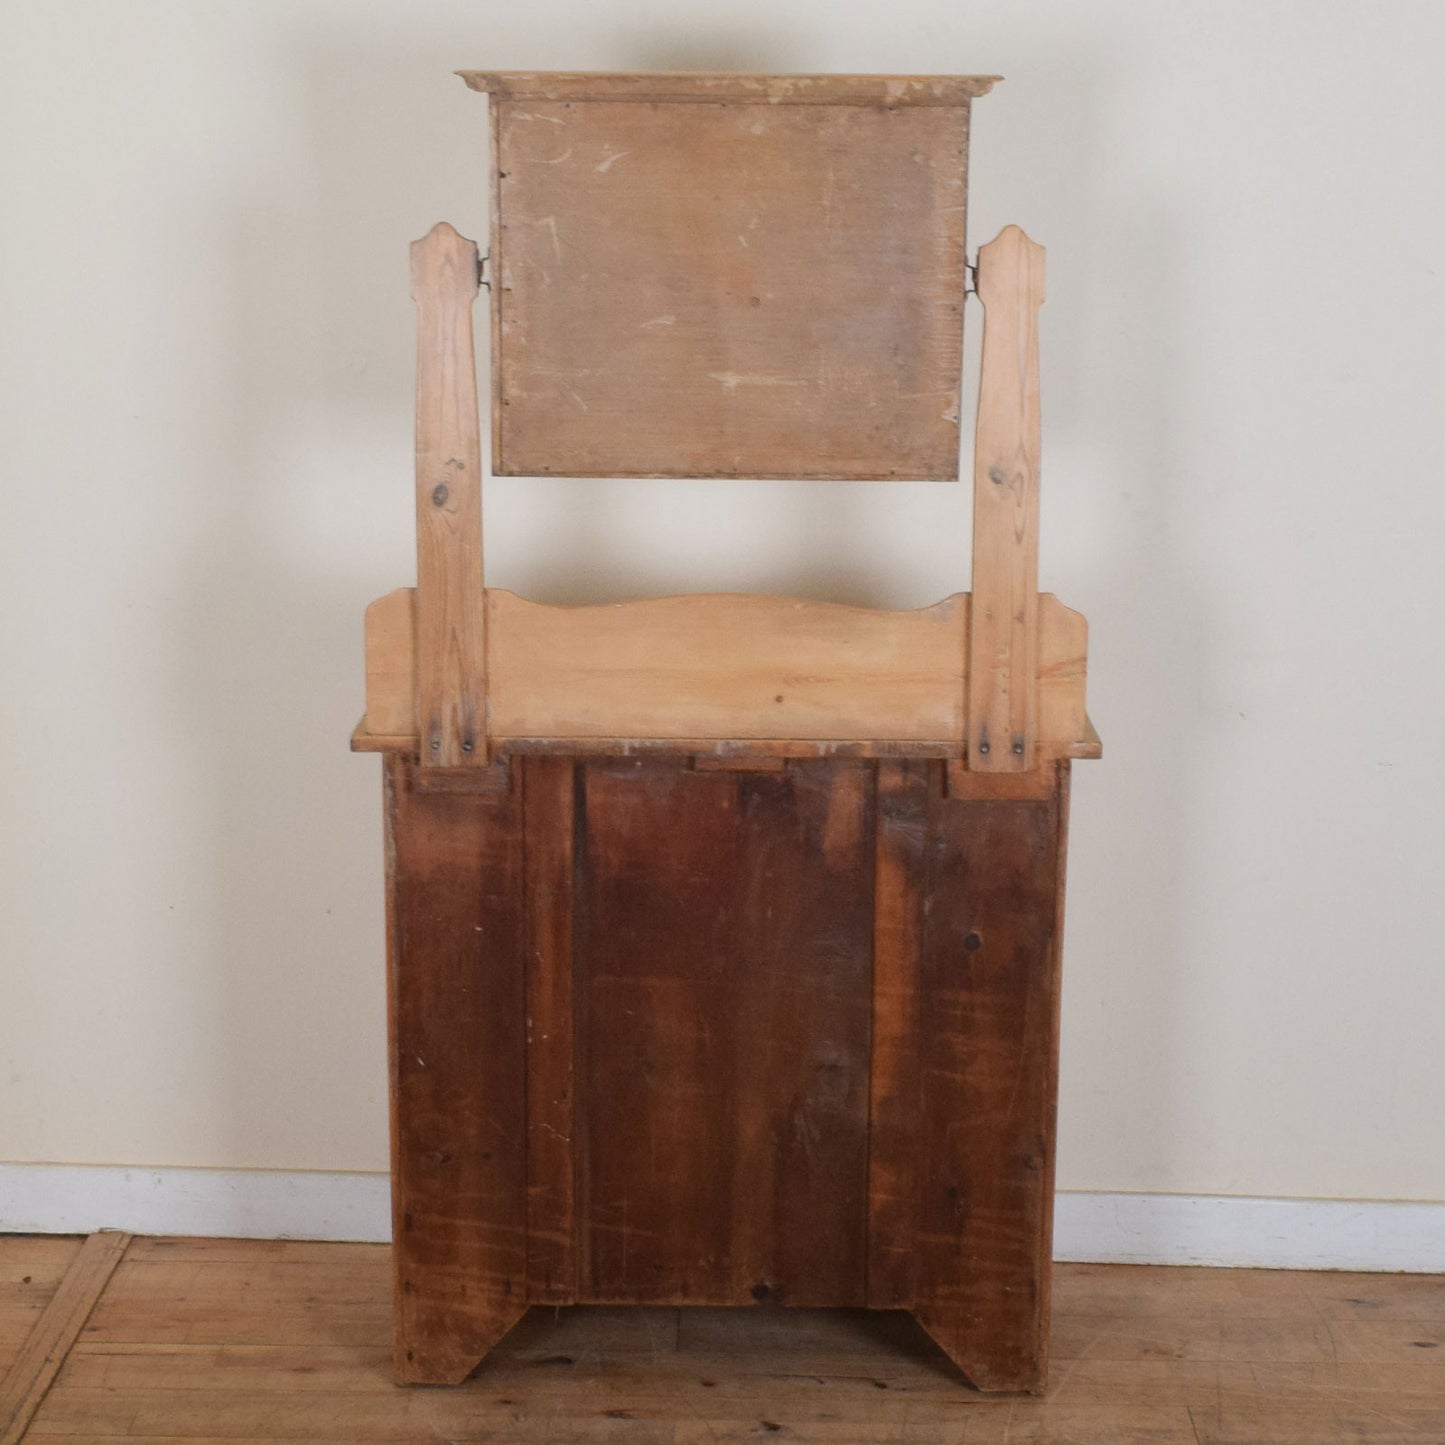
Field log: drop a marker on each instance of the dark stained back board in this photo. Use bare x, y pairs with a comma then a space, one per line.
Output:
672, 1034
726, 276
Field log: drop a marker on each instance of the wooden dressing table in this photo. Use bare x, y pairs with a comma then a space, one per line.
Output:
724, 930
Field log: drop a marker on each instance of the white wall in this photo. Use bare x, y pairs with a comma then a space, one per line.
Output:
207, 352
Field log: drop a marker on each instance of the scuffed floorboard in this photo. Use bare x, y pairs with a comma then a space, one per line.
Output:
206, 1340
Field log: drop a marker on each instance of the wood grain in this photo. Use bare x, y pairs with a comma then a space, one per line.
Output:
391, 688
31, 1268
458, 1062
1063, 649
39, 1358
965, 1031
703, 88
895, 1083
723, 1001
549, 785
725, 666
791, 1036
287, 1341
723, 752
743, 289
987, 1049
1003, 628
731, 669
451, 658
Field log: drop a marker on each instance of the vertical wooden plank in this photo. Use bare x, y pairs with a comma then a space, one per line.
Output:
396, 769
657, 1019
1049, 1103
1003, 627
895, 1099
806, 848
548, 789
723, 977
41, 1356
450, 612
988, 1046
458, 1074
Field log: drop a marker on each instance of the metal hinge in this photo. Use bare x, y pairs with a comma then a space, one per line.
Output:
482, 278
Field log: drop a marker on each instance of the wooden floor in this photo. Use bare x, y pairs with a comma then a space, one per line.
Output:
209, 1340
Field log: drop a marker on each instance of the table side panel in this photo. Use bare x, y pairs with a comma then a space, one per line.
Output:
458, 1074
988, 968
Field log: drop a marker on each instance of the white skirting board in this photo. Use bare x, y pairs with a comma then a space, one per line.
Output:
213, 1203
1227, 1229
1093, 1228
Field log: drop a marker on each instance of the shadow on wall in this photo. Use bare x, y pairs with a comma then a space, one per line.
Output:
316, 520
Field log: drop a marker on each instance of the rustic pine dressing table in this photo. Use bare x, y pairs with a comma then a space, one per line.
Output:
724, 930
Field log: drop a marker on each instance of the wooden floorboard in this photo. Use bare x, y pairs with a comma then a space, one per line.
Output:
199, 1341
39, 1359
31, 1268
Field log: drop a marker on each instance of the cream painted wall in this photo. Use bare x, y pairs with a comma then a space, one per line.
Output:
207, 355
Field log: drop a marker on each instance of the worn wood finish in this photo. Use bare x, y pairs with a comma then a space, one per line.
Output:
728, 668
196, 1341
960, 781
749, 289
31, 1268
895, 1094
1063, 649
451, 659
789, 1035
719, 752
549, 787
391, 692
987, 1057
724, 929
1003, 628
39, 1359
723, 1004
969, 893
458, 1073
725, 666
703, 88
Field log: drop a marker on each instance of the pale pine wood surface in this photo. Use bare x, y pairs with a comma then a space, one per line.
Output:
451, 671
727, 666
208, 1340
705, 87
1003, 629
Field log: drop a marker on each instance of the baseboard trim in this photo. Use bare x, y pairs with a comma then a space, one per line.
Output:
1094, 1228
216, 1203
1250, 1232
